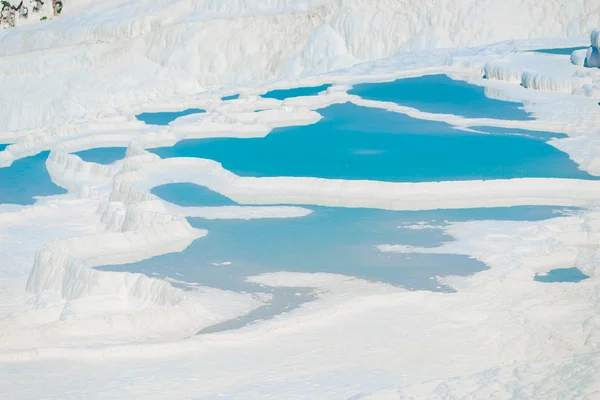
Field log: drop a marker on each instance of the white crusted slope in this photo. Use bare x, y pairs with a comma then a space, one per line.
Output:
165, 48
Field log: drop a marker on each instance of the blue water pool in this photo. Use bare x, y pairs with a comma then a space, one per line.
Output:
337, 240
562, 275
329, 240
340, 240
282, 94
353, 142
560, 50
442, 95
3, 146
102, 155
25, 179
188, 194
232, 97
164, 118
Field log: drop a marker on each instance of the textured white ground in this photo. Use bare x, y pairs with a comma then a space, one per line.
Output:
75, 82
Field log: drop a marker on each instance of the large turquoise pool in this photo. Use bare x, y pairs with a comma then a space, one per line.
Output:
353, 142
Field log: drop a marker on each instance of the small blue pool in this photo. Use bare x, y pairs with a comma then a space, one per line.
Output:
282, 94
164, 118
25, 179
442, 95
187, 194
102, 155
231, 97
562, 275
559, 50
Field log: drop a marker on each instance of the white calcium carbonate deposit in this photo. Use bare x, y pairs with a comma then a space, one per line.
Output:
75, 81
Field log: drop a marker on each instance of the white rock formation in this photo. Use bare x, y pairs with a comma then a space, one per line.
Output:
176, 51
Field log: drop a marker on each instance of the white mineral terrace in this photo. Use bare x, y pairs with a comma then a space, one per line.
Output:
76, 81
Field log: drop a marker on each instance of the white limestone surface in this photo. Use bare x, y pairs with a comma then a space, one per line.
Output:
75, 82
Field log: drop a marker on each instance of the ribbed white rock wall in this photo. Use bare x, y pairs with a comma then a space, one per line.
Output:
61, 267
64, 168
130, 234
545, 72
540, 81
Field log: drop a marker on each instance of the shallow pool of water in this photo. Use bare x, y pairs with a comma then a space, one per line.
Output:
338, 240
441, 95
231, 97
164, 118
25, 179
335, 240
187, 194
282, 94
559, 50
562, 275
329, 240
102, 155
353, 142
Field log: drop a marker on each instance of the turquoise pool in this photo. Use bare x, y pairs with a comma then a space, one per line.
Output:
26, 179
282, 94
559, 50
562, 275
164, 118
102, 155
353, 142
441, 95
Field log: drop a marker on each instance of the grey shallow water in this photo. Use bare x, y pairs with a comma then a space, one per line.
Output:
334, 240
573, 275
102, 155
